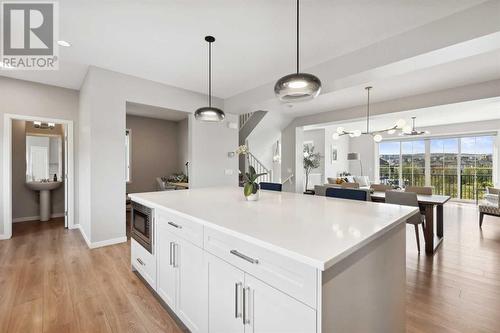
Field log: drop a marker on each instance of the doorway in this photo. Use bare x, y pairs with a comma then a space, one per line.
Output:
49, 169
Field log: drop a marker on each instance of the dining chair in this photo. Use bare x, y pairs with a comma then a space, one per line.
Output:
349, 185
271, 186
490, 205
424, 190
407, 199
380, 187
347, 193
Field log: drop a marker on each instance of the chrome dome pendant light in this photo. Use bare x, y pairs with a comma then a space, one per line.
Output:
209, 113
297, 86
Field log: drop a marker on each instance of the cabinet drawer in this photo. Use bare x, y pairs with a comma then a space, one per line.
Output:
289, 276
189, 230
144, 262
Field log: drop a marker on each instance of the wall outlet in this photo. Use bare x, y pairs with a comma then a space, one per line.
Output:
232, 125
229, 172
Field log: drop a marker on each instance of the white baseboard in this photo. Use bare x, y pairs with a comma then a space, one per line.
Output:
34, 218
3, 237
108, 242
101, 243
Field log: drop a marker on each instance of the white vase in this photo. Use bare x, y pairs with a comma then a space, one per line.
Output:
253, 197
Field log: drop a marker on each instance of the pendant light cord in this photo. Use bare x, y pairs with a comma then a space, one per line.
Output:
368, 110
210, 74
297, 36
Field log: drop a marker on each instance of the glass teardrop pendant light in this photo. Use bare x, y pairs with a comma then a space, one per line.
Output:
297, 86
209, 113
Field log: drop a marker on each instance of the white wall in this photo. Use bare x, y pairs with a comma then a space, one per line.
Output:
316, 177
103, 107
210, 144
332, 169
32, 99
365, 146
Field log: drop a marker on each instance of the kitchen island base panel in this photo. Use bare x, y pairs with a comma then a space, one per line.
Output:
366, 291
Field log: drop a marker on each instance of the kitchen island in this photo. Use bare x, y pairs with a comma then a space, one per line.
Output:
285, 263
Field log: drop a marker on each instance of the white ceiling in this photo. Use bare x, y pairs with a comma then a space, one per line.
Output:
136, 109
480, 68
162, 40
458, 113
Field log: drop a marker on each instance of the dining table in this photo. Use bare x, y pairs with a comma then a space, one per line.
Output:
429, 204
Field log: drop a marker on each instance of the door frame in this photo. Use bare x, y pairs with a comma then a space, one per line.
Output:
7, 169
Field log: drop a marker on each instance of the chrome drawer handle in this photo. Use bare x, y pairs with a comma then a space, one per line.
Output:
237, 312
246, 297
244, 257
175, 225
140, 261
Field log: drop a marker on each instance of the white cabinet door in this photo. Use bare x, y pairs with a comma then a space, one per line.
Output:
270, 310
192, 303
225, 286
167, 273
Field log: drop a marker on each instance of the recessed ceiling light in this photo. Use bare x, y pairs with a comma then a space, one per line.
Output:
63, 43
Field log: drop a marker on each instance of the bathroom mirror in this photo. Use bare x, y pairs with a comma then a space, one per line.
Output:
43, 157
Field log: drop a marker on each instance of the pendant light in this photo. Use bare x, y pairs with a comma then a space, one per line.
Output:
209, 113
412, 130
376, 135
297, 86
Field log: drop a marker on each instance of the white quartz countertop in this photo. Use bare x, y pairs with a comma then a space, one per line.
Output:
315, 230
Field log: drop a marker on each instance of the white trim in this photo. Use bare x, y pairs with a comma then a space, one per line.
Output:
34, 218
3, 237
7, 168
108, 242
101, 243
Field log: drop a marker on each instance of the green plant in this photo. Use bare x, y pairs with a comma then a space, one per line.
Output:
250, 177
311, 161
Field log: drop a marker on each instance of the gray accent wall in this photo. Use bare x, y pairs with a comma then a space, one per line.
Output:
25, 203
156, 150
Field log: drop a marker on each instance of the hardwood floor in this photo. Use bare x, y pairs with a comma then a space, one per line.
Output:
458, 289
51, 282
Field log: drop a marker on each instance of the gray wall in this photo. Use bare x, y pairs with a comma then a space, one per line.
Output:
25, 203
32, 99
183, 144
155, 151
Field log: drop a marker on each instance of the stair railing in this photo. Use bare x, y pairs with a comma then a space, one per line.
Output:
244, 118
259, 167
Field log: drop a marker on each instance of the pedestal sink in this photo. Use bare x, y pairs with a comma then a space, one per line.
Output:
44, 188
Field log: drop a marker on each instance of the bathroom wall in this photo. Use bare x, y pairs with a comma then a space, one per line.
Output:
25, 203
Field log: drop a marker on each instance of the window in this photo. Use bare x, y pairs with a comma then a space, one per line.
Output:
389, 162
461, 167
127, 155
444, 164
413, 163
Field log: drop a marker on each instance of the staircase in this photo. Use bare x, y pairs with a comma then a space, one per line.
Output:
248, 122
251, 160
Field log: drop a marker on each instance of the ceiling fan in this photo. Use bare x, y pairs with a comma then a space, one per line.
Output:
412, 130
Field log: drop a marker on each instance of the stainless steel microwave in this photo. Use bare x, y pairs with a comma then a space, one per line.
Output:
141, 222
